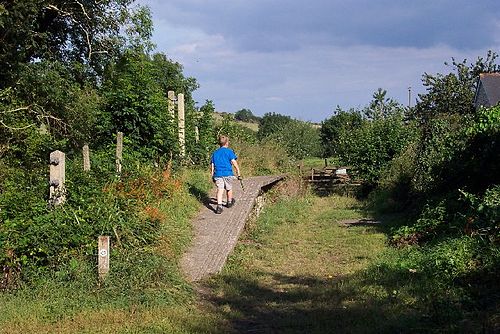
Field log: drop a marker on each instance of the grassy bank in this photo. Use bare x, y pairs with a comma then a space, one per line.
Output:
297, 269
145, 291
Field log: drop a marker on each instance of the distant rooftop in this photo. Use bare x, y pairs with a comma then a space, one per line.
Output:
488, 90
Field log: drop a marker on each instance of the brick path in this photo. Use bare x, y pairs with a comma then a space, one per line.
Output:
215, 236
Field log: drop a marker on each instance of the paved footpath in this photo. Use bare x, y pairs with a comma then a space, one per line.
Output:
215, 236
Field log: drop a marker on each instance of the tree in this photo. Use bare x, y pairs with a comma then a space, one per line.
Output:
272, 123
453, 93
244, 115
443, 114
334, 132
381, 106
83, 32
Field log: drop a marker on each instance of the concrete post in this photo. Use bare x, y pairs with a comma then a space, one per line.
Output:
171, 104
119, 152
103, 257
182, 129
57, 178
86, 158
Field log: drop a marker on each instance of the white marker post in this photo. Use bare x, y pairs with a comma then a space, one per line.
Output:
103, 257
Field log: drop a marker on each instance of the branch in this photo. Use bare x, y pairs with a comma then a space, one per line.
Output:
14, 110
83, 9
70, 15
14, 128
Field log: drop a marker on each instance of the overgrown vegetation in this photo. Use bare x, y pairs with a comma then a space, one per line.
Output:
438, 162
77, 73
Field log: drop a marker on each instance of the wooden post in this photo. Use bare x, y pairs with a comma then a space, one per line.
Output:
86, 158
103, 256
312, 174
182, 130
119, 152
57, 191
171, 104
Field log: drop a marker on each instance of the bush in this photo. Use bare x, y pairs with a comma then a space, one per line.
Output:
97, 203
370, 148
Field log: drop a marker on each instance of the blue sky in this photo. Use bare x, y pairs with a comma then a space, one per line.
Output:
303, 58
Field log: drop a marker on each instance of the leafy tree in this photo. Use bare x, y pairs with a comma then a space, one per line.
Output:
444, 113
453, 93
371, 147
200, 151
381, 106
300, 140
273, 123
137, 104
335, 131
86, 32
245, 115
234, 130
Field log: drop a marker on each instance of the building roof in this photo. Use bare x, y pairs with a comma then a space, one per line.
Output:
490, 84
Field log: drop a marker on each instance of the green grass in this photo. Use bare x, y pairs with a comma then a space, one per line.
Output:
295, 270
145, 291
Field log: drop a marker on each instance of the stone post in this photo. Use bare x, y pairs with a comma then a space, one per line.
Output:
171, 104
57, 178
86, 158
103, 257
182, 129
119, 152
196, 134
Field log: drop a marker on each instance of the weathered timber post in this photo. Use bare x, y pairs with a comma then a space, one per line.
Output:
119, 152
171, 104
86, 158
182, 129
57, 178
103, 257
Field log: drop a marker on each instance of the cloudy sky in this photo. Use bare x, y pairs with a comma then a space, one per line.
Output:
303, 58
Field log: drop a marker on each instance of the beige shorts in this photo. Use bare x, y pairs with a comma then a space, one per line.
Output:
225, 182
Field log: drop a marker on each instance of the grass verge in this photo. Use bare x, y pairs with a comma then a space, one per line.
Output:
145, 291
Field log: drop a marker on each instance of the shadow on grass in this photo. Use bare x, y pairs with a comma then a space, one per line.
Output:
360, 303
202, 196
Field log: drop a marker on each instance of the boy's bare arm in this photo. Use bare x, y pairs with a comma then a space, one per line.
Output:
235, 164
212, 170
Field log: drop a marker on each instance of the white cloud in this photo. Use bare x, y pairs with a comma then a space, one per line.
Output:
307, 80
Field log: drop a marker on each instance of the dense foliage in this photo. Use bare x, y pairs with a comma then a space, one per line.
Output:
246, 115
438, 163
77, 73
300, 139
368, 139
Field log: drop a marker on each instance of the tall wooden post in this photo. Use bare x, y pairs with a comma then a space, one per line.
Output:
57, 191
86, 158
119, 152
103, 257
182, 129
171, 104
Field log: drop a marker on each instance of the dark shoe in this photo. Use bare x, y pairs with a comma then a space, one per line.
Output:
218, 210
230, 204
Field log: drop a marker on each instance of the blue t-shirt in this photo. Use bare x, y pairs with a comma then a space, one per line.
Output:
221, 159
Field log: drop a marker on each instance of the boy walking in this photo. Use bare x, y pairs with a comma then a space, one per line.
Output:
221, 167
